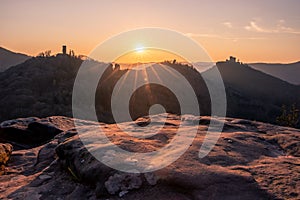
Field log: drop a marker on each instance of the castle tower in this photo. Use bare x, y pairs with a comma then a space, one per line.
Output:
64, 49
232, 59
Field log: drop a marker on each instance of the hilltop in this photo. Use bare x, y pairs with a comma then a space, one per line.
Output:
42, 86
254, 95
9, 59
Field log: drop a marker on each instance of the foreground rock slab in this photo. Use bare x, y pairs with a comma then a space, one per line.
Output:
251, 160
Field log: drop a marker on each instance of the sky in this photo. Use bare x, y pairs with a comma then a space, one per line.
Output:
253, 31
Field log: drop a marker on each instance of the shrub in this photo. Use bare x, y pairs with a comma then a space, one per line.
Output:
288, 117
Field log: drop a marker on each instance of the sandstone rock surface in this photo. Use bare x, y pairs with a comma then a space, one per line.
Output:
251, 160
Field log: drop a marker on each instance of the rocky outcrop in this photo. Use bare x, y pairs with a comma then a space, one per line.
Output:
251, 160
25, 133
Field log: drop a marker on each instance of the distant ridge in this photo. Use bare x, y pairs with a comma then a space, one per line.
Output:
287, 72
203, 66
9, 58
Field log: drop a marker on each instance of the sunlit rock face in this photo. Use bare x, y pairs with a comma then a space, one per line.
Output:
251, 160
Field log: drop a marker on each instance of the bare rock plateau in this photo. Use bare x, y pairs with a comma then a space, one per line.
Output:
46, 159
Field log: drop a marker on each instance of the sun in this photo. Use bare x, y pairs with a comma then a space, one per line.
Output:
140, 49
142, 54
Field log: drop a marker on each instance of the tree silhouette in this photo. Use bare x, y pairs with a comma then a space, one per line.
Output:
288, 118
45, 54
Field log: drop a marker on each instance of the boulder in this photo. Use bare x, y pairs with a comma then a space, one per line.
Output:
122, 182
25, 133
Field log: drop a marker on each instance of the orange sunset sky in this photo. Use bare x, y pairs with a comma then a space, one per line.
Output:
253, 31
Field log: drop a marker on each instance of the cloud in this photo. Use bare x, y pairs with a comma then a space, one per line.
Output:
201, 35
217, 36
227, 24
254, 27
280, 28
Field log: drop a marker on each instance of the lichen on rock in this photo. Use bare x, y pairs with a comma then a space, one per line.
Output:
5, 152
